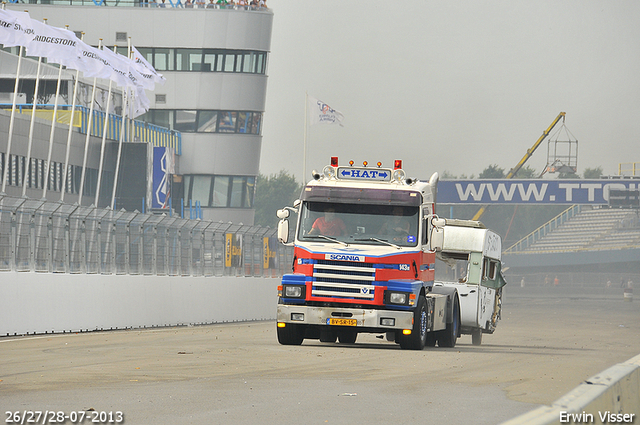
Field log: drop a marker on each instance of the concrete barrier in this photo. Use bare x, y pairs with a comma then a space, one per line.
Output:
612, 396
38, 303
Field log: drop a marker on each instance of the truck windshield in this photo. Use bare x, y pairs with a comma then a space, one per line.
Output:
360, 223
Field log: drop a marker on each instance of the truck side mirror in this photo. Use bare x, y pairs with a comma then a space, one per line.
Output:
283, 213
283, 231
436, 242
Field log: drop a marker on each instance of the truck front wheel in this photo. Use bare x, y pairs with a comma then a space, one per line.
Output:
290, 334
418, 337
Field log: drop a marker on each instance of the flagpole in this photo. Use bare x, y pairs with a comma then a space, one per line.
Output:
27, 165
53, 127
304, 149
66, 158
104, 136
125, 100
7, 157
86, 140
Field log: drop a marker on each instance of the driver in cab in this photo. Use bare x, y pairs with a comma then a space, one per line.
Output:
329, 225
398, 226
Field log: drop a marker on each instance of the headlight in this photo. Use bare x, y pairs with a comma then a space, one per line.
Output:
293, 291
399, 175
398, 298
387, 321
329, 172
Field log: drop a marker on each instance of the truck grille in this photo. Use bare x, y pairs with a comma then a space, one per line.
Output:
343, 279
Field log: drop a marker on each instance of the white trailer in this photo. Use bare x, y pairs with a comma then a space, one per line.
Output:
474, 253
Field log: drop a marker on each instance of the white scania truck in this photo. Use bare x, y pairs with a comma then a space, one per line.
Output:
364, 261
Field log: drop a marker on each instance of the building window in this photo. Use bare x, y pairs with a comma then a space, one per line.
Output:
185, 121
220, 191
205, 60
205, 121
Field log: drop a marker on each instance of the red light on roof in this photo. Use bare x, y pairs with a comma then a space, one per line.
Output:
334, 161
379, 164
351, 163
397, 164
365, 163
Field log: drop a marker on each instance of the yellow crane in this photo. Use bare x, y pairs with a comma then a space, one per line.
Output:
524, 159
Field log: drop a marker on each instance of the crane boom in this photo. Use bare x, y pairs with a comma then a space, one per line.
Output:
525, 158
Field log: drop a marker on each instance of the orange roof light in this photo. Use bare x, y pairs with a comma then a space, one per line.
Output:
334, 161
351, 163
397, 164
379, 164
365, 163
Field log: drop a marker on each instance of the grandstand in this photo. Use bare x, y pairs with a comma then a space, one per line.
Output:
590, 228
581, 240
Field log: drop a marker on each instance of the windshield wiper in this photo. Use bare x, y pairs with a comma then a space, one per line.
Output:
327, 238
379, 240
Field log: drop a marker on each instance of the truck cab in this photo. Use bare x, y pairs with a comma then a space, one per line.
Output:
474, 255
363, 261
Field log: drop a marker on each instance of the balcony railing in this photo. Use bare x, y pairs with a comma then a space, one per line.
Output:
134, 130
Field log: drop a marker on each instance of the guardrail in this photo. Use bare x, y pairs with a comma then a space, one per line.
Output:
53, 237
134, 130
612, 396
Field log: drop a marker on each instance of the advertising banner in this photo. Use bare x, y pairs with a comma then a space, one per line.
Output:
539, 191
233, 250
162, 170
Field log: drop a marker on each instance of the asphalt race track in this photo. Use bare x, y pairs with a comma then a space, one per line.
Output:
549, 340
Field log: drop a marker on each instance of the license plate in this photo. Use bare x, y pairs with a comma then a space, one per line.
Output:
342, 322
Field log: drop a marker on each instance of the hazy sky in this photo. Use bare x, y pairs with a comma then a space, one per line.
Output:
453, 85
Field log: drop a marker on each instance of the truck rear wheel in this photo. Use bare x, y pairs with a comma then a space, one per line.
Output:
290, 334
448, 337
418, 338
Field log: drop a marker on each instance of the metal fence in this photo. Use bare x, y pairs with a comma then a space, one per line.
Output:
53, 237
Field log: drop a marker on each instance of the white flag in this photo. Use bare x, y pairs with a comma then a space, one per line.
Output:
145, 68
123, 72
15, 28
321, 113
92, 62
141, 102
56, 44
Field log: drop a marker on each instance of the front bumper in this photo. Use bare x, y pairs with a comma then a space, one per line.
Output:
365, 318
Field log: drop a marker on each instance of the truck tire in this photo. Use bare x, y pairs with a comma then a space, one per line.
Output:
291, 334
476, 336
448, 337
418, 338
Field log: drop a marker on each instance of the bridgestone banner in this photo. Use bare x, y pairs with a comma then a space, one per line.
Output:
575, 191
